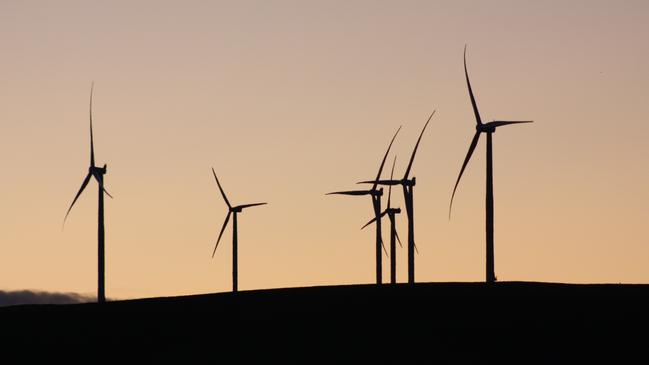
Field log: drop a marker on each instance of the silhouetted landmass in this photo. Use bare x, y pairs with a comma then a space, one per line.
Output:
457, 322
17, 297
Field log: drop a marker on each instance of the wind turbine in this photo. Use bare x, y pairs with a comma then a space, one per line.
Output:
98, 173
232, 211
376, 205
489, 129
408, 185
391, 212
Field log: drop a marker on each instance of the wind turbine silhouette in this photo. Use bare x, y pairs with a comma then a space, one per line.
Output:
489, 129
98, 173
376, 205
408, 185
232, 211
391, 212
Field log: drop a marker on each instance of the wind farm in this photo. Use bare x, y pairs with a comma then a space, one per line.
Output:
375, 194
394, 236
408, 186
327, 307
478, 247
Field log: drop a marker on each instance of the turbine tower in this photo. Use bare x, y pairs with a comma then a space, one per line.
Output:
489, 129
376, 205
408, 186
98, 173
232, 211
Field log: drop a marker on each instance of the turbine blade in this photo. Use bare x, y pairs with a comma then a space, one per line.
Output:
500, 123
92, 144
106, 192
250, 205
468, 83
391, 177
378, 176
474, 143
83, 186
368, 223
220, 188
398, 239
352, 192
414, 152
227, 219
381, 182
373, 220
384, 250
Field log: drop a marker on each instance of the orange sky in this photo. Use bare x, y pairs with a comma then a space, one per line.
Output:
288, 100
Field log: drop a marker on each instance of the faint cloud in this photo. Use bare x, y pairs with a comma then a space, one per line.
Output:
17, 297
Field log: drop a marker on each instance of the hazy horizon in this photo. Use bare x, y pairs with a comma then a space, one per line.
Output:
289, 100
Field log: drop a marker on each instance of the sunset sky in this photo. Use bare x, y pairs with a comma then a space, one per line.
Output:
289, 100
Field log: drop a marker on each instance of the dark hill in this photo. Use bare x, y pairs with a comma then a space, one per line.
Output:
459, 322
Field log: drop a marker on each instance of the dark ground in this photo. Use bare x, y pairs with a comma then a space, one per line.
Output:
434, 322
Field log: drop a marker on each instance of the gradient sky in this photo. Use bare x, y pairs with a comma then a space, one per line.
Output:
288, 100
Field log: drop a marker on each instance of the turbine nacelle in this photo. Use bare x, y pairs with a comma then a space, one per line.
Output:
97, 171
393, 210
485, 128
